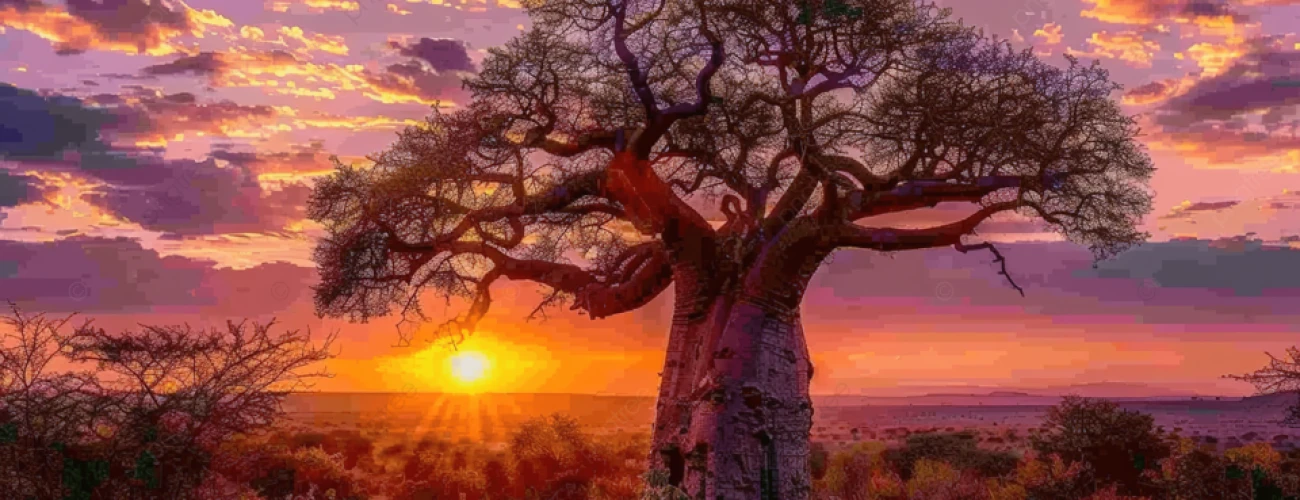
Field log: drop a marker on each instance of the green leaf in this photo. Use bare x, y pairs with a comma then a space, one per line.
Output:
805, 14
9, 433
146, 469
81, 477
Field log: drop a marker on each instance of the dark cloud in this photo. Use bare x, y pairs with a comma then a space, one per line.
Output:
128, 76
20, 4
1209, 9
184, 197
187, 197
38, 127
141, 113
1267, 77
203, 64
300, 158
216, 64
17, 189
1248, 110
441, 54
1240, 266
1150, 92
118, 275
1210, 206
127, 17
1202, 206
132, 26
1224, 282
414, 79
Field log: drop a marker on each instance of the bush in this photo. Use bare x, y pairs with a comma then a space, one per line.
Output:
1050, 478
555, 459
860, 473
817, 458
935, 480
958, 449
137, 414
1114, 446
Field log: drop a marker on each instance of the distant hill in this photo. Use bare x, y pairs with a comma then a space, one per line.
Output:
1120, 390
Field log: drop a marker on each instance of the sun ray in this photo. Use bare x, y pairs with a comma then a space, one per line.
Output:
431, 418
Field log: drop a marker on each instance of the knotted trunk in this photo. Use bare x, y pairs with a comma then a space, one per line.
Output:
734, 414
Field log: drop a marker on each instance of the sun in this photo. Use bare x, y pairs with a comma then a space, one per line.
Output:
468, 367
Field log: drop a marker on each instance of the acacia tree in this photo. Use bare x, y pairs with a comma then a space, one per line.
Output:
725, 147
1282, 375
89, 413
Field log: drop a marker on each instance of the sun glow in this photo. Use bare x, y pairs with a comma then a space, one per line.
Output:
468, 367
481, 363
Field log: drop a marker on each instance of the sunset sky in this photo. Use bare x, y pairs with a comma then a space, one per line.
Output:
155, 160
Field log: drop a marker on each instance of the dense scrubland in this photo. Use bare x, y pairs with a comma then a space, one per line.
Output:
1084, 449
176, 413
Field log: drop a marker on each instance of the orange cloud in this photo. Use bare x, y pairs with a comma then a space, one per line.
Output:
1050, 33
252, 33
1205, 18
1125, 11
1127, 46
281, 72
1217, 148
140, 28
349, 122
1214, 58
314, 6
1220, 25
398, 10
315, 41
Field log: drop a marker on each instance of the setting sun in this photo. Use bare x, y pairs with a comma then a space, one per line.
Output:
468, 367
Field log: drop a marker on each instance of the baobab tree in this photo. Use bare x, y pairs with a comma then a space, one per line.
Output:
726, 148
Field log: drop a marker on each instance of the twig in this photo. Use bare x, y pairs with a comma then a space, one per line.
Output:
963, 248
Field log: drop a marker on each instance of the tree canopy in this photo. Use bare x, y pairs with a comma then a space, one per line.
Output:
619, 146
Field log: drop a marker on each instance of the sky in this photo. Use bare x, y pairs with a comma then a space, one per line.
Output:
156, 158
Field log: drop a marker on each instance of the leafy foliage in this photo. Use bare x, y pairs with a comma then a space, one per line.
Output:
959, 449
1114, 446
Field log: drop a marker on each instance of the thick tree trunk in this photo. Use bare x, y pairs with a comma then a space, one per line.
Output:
734, 414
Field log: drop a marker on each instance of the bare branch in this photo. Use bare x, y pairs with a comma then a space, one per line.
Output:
998, 259
891, 239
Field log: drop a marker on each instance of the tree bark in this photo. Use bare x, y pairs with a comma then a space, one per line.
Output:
734, 414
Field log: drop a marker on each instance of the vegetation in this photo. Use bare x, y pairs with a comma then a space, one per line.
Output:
85, 413
552, 458
1115, 447
1282, 375
176, 413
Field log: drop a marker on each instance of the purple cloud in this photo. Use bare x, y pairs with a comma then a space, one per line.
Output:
1178, 282
17, 189
187, 197
441, 54
118, 275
